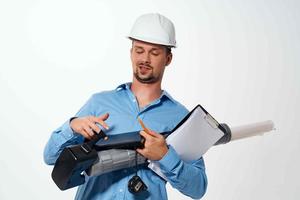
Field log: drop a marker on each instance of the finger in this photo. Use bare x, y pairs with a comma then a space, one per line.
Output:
99, 121
141, 151
143, 125
152, 133
88, 130
146, 135
85, 134
94, 127
104, 117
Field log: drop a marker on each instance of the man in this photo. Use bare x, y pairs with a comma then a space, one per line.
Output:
116, 111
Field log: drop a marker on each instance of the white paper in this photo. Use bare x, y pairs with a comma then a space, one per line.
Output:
193, 138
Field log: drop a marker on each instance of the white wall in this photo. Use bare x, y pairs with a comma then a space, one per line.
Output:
238, 59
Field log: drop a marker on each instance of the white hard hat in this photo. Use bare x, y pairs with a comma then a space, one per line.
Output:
154, 28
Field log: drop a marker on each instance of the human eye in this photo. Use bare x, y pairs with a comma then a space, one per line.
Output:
155, 52
139, 50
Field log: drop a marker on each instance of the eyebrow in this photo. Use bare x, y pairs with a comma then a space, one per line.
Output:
154, 48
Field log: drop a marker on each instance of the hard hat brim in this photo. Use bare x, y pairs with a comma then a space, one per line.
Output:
152, 41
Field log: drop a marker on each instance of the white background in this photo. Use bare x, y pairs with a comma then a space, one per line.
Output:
239, 59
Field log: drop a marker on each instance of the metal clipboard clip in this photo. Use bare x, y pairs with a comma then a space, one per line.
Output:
211, 121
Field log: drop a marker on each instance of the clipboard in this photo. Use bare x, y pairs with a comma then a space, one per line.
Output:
193, 136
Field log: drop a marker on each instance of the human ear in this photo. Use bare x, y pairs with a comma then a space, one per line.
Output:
169, 59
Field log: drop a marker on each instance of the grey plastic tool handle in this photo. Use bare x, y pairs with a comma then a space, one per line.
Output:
114, 159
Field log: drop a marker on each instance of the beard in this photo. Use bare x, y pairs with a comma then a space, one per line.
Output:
145, 78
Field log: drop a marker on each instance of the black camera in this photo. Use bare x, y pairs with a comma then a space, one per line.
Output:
136, 185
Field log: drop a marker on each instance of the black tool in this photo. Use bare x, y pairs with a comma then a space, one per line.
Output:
73, 161
135, 184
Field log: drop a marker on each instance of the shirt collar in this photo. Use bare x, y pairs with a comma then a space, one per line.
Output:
165, 94
124, 86
168, 96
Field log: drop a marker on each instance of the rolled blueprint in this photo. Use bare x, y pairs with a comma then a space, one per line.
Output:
250, 130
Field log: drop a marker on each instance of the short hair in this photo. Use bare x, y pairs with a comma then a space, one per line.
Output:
169, 50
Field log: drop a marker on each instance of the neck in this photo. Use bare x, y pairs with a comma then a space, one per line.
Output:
145, 93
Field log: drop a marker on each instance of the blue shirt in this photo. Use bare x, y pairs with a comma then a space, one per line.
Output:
163, 114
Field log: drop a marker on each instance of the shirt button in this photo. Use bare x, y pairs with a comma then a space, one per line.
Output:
133, 100
121, 190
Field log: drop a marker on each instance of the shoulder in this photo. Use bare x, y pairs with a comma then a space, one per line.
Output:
176, 105
109, 96
181, 107
176, 111
110, 93
103, 94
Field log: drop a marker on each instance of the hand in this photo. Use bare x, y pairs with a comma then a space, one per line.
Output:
86, 125
155, 146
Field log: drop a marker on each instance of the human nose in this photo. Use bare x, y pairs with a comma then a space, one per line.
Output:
146, 58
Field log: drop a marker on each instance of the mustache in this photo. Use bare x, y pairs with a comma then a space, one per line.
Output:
143, 64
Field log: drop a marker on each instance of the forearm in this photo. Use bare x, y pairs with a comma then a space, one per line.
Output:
189, 178
59, 139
